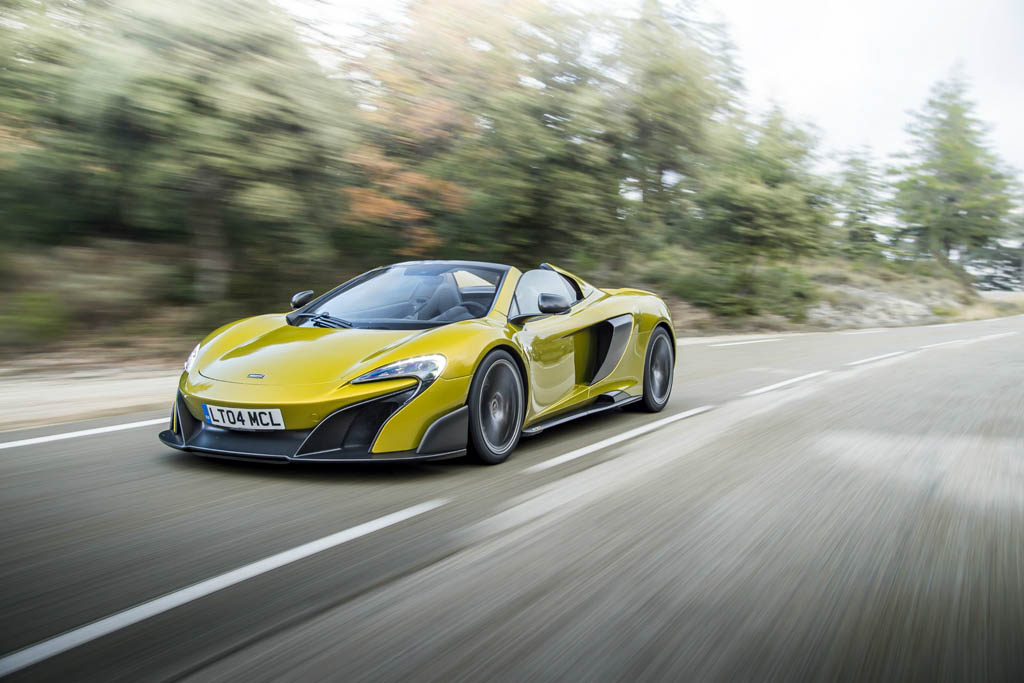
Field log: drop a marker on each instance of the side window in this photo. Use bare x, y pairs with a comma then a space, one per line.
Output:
576, 292
535, 282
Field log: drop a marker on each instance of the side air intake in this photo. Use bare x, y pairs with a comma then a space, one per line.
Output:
610, 338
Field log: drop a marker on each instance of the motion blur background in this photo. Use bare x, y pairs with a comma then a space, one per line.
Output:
836, 505
169, 166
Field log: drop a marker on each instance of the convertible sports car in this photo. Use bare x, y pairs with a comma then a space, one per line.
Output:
421, 361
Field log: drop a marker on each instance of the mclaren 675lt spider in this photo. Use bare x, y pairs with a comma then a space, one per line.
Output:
422, 360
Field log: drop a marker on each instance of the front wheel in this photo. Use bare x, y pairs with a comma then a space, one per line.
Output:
659, 369
496, 406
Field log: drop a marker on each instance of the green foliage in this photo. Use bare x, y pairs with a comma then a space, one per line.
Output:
197, 122
88, 290
8, 279
733, 290
667, 101
758, 197
215, 139
497, 127
32, 318
953, 193
860, 205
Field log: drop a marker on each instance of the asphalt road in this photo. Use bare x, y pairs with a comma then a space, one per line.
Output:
808, 507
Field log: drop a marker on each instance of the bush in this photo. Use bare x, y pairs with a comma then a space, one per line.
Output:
923, 268
720, 290
831, 276
734, 291
785, 291
86, 290
8, 273
32, 318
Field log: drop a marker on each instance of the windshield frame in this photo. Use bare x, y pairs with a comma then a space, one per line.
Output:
293, 318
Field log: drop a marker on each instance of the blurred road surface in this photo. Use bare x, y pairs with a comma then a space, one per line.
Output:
809, 507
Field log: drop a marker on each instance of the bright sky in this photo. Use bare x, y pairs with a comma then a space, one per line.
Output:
853, 68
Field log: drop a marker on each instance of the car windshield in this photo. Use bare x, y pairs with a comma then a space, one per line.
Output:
408, 296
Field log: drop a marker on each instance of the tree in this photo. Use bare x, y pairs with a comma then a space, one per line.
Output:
759, 198
860, 205
671, 88
953, 193
207, 123
496, 105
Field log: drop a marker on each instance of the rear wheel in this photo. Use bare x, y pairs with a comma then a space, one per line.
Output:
659, 369
496, 406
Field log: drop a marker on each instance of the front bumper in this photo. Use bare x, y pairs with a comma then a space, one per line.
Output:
346, 435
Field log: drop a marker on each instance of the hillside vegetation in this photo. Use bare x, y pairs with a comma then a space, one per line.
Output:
168, 166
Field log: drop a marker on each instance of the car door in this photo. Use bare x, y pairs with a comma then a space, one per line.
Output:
548, 342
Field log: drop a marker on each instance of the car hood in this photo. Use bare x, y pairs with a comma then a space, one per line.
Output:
284, 354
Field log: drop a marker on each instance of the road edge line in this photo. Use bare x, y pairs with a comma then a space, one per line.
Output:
45, 649
785, 383
611, 441
83, 432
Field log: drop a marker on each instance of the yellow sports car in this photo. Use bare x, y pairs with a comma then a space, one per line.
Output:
422, 360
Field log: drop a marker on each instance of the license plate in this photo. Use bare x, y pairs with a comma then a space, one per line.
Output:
253, 419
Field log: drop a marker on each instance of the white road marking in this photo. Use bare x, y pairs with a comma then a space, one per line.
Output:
625, 436
987, 337
48, 648
874, 358
752, 341
945, 343
84, 432
786, 383
691, 341
873, 330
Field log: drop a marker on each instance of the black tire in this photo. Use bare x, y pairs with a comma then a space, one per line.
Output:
659, 370
497, 404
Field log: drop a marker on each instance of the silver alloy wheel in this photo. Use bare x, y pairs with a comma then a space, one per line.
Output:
661, 369
501, 406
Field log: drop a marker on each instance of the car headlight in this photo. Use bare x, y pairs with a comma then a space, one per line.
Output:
424, 368
192, 358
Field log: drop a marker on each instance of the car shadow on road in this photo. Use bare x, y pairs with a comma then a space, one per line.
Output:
566, 436
350, 472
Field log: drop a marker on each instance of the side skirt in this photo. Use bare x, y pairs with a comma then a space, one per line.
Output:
602, 403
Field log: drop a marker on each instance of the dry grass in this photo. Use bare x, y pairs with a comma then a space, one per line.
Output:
1011, 303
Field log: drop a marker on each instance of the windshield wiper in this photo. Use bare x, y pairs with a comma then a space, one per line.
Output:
324, 319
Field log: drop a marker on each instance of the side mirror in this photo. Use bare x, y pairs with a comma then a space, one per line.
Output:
555, 304
302, 298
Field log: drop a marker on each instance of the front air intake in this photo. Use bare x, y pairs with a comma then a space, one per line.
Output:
351, 431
